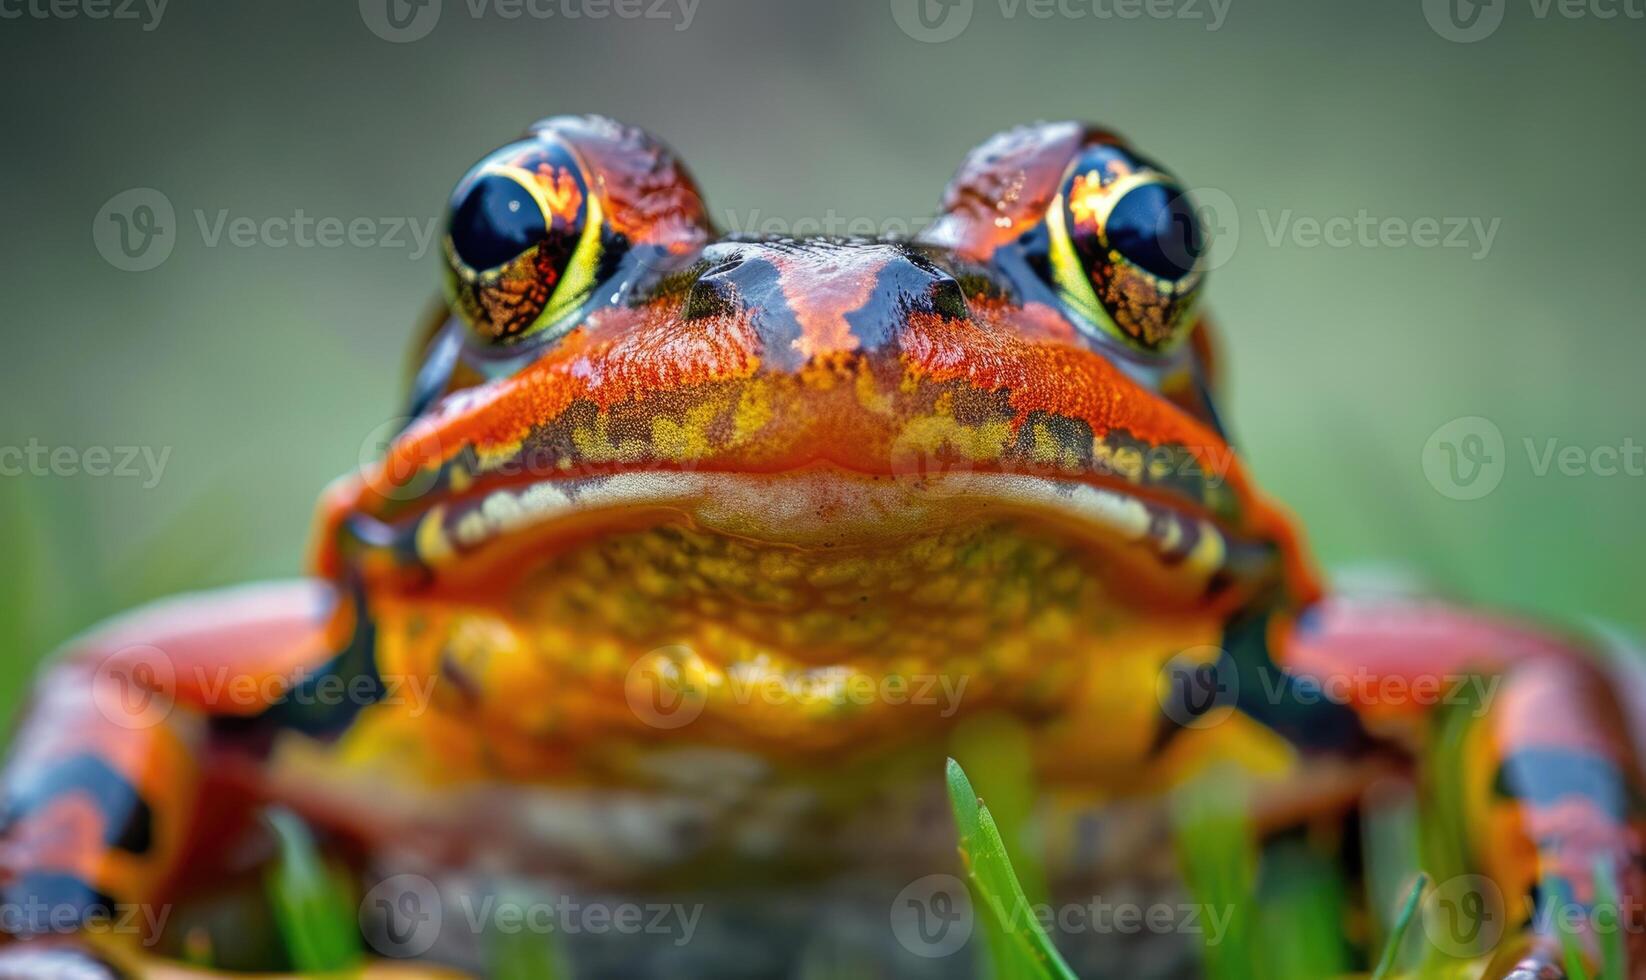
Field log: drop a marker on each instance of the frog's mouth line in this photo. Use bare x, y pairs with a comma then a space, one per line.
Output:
1158, 552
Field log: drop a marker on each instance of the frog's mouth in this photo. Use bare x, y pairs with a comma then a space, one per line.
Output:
1145, 552
812, 577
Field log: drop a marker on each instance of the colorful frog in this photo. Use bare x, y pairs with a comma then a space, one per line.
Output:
694, 554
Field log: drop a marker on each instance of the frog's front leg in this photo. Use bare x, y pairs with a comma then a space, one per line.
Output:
1552, 785
107, 785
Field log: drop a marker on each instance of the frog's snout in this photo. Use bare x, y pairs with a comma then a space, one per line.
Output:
804, 298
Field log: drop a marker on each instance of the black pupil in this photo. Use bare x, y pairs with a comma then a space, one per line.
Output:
494, 222
1154, 227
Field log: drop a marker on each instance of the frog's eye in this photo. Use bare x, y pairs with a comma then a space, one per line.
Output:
1126, 249
522, 241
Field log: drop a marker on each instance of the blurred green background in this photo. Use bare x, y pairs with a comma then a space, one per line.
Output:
265, 370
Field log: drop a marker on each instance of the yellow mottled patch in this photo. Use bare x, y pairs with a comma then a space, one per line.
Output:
1049, 451
595, 444
871, 397
493, 456
432, 545
1124, 461
930, 433
685, 439
753, 412
1210, 551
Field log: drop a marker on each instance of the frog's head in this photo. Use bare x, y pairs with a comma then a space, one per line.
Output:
607, 366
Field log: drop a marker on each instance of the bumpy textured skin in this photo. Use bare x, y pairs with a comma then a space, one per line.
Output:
709, 358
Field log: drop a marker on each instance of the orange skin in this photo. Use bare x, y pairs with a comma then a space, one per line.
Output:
781, 365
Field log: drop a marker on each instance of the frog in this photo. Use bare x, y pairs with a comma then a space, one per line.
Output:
694, 555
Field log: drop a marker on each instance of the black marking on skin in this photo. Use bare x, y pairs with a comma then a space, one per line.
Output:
971, 405
737, 275
906, 284
129, 821
444, 352
711, 295
1197, 689
324, 702
1167, 467
1283, 702
1544, 776
40, 900
1073, 437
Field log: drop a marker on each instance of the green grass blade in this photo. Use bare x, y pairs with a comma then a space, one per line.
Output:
311, 902
1397, 935
1218, 853
525, 954
1614, 956
1571, 943
995, 751
1301, 909
1019, 946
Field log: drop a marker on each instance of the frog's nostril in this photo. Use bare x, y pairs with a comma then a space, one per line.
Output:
711, 295
948, 299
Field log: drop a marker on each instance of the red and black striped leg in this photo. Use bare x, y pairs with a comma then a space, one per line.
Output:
1549, 775
103, 793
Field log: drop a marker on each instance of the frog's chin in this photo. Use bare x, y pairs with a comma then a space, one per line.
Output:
1148, 551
